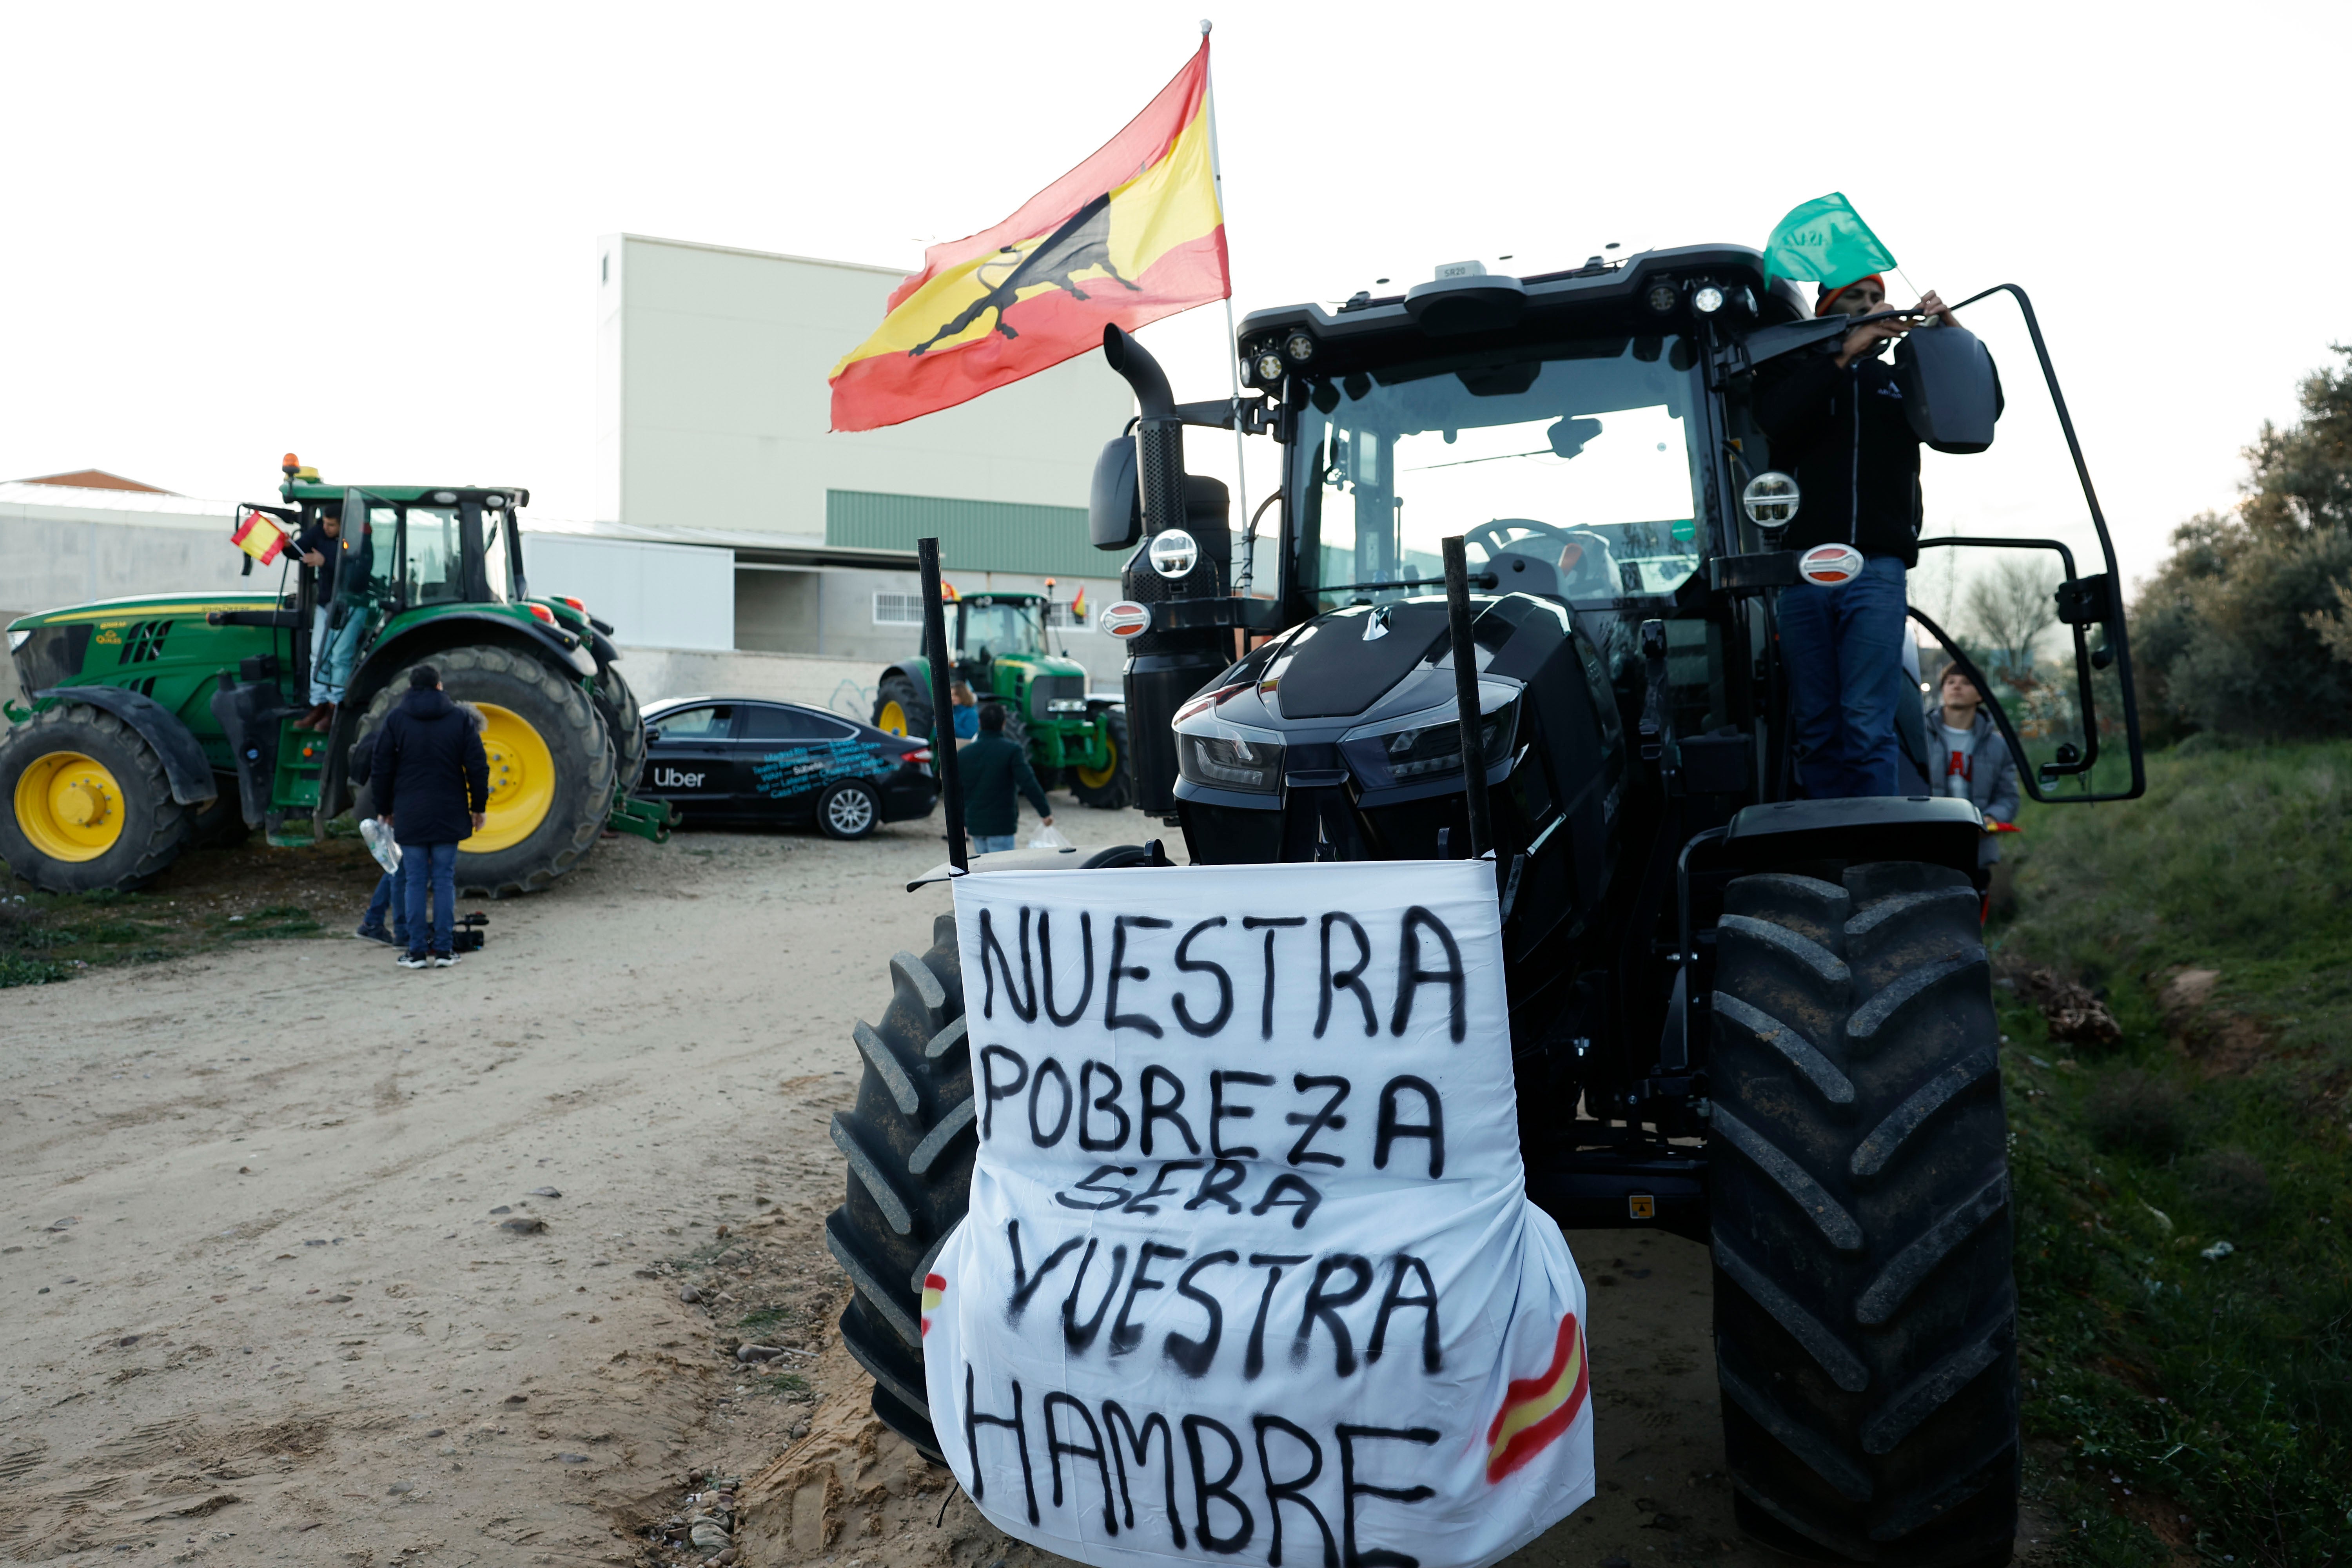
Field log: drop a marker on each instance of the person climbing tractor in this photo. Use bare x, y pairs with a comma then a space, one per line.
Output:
1837, 421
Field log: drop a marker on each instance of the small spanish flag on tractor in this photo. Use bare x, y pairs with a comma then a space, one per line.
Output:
935, 1290
1079, 607
1133, 234
1538, 1409
258, 535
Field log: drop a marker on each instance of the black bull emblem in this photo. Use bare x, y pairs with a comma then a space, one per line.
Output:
1082, 241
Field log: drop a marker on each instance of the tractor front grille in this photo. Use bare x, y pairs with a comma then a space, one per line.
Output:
1048, 690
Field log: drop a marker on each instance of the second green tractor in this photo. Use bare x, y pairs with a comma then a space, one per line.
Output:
1001, 651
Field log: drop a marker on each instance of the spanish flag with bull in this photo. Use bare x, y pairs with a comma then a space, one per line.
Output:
1132, 235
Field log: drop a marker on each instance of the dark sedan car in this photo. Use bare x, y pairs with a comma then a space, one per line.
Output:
755, 762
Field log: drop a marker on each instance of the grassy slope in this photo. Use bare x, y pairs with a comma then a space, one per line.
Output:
2164, 1383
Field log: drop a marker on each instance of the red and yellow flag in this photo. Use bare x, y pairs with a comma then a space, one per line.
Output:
1129, 236
1538, 1409
258, 535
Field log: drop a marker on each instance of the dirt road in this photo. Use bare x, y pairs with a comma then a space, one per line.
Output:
313, 1260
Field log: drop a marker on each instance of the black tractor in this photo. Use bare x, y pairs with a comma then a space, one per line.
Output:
1756, 1020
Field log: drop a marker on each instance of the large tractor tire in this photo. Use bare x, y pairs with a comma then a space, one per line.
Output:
84, 803
1864, 1307
1112, 787
618, 706
909, 1144
552, 766
901, 707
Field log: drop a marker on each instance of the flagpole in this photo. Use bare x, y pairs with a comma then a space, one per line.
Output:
1232, 350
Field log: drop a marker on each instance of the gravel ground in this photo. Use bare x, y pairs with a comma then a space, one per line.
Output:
313, 1260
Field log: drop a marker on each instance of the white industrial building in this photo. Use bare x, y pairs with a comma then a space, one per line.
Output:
713, 434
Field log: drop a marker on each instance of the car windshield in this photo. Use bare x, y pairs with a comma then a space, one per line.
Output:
1581, 464
991, 630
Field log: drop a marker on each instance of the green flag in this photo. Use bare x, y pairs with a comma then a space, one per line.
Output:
1824, 241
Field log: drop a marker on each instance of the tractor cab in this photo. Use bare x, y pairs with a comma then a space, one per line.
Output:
990, 627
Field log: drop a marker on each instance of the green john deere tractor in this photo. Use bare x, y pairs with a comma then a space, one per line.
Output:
169, 720
1074, 737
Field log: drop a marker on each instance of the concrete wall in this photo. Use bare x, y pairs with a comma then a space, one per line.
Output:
666, 596
48, 562
713, 410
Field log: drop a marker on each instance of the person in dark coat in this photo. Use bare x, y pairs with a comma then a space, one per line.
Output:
432, 784
1836, 420
991, 767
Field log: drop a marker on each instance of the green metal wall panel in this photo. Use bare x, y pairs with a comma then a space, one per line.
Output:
974, 535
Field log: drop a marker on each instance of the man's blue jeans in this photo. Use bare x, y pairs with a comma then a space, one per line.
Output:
433, 867
1838, 646
991, 843
331, 653
389, 891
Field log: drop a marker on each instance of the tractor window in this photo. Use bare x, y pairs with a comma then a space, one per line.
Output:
494, 553
371, 554
1582, 466
435, 572
991, 631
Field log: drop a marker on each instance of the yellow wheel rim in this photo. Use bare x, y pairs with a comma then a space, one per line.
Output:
70, 806
522, 780
1094, 778
892, 719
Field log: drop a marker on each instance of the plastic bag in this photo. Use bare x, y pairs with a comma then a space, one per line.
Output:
1049, 839
379, 840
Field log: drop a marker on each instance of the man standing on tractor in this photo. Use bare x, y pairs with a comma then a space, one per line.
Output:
334, 645
432, 784
1837, 421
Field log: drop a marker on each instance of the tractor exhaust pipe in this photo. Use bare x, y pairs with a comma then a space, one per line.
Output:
1164, 666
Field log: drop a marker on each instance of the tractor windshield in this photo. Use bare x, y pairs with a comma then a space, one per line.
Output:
992, 630
1580, 465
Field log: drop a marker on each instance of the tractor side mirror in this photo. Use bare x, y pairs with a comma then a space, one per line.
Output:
1115, 507
652, 734
1951, 393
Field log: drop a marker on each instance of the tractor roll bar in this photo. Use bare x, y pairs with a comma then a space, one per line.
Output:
1465, 697
943, 746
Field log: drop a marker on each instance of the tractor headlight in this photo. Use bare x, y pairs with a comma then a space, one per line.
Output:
1770, 501
1662, 297
1299, 347
1425, 751
1230, 762
1707, 298
1175, 553
1269, 367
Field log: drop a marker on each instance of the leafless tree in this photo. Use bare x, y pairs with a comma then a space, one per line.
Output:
2011, 605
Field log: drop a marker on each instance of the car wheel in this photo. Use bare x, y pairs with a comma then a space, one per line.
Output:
850, 810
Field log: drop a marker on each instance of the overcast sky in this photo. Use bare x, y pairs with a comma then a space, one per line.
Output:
369, 234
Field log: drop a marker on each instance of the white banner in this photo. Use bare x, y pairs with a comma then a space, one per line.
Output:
1250, 1272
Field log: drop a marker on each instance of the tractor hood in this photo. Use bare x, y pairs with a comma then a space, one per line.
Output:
1041, 664
1362, 696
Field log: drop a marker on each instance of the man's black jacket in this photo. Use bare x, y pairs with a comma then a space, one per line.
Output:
1843, 433
431, 772
991, 769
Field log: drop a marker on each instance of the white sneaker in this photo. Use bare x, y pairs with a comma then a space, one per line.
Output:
445, 961
410, 961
